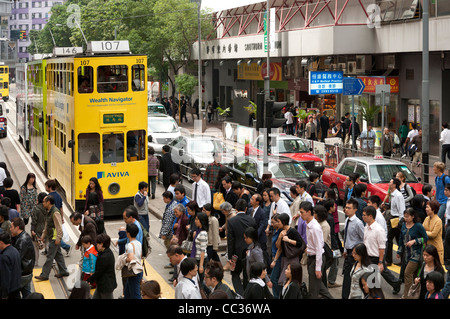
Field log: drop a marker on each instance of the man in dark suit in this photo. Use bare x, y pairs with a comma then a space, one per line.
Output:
257, 212
228, 193
236, 244
167, 166
86, 225
349, 184
324, 126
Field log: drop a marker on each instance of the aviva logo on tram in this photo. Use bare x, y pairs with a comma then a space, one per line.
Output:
112, 175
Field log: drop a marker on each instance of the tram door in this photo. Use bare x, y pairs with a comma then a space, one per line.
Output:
49, 144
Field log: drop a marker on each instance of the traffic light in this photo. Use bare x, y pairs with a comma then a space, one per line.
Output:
274, 118
259, 111
23, 35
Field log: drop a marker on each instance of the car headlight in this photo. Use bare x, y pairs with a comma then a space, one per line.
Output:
318, 164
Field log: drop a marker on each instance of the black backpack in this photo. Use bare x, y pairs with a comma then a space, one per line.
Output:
412, 190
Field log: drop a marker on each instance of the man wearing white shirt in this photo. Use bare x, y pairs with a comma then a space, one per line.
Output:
445, 139
279, 205
410, 136
201, 192
375, 202
397, 208
289, 121
315, 251
304, 195
375, 241
2, 177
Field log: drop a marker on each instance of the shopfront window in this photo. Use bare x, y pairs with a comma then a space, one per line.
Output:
89, 148
113, 148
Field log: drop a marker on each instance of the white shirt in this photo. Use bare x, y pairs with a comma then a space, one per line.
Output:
447, 211
2, 175
203, 193
281, 208
288, 117
306, 197
314, 238
381, 220
137, 248
445, 136
187, 289
374, 239
412, 133
397, 204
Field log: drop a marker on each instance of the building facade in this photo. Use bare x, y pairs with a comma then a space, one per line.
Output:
27, 15
377, 41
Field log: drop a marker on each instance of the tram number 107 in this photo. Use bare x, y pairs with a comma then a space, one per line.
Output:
109, 46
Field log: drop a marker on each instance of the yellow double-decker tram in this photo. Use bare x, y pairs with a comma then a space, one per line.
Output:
4, 81
96, 122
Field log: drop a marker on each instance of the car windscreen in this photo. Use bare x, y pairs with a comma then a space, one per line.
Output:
154, 108
205, 146
292, 146
288, 170
384, 173
166, 125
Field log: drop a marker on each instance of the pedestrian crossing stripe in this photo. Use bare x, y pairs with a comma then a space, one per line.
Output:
43, 287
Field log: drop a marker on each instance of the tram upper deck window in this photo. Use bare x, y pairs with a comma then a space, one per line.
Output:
113, 148
85, 75
89, 148
138, 75
2, 70
112, 78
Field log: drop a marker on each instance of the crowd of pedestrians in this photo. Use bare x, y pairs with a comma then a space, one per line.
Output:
268, 243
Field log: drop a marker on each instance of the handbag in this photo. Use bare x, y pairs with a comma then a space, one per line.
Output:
128, 272
414, 291
291, 251
218, 200
186, 246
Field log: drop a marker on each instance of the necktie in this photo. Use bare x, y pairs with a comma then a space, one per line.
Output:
195, 192
345, 231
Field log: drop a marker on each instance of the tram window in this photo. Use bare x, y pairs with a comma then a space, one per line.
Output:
89, 148
2, 70
113, 148
136, 145
112, 78
85, 76
5, 85
138, 75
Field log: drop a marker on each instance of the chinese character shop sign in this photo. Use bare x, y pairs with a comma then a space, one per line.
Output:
326, 82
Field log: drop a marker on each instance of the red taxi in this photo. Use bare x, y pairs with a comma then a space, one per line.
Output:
289, 146
375, 171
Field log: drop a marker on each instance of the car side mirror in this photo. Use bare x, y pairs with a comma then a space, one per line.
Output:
71, 144
364, 180
249, 175
150, 138
181, 152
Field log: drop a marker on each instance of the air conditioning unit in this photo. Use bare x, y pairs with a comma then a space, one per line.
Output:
351, 67
363, 63
342, 67
389, 62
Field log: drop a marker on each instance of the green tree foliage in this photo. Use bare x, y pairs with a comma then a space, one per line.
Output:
163, 30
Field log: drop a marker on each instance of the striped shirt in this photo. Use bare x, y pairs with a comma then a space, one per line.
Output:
201, 243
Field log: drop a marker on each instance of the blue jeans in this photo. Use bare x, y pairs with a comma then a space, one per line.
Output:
64, 245
133, 287
144, 221
441, 212
274, 276
446, 290
152, 183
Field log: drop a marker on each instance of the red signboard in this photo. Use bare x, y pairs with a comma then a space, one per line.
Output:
371, 83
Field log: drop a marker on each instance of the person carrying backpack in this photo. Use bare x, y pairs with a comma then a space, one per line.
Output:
440, 181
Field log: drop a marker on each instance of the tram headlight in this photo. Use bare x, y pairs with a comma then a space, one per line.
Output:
114, 188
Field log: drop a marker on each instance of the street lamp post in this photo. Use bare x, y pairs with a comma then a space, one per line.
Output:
425, 116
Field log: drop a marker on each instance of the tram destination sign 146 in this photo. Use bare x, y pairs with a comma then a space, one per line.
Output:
326, 82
